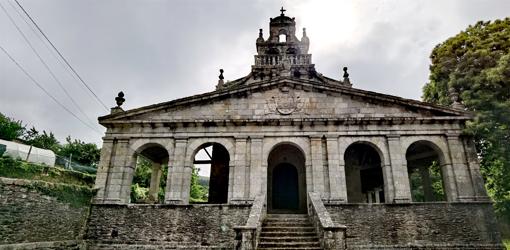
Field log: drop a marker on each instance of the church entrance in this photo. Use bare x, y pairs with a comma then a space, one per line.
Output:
286, 184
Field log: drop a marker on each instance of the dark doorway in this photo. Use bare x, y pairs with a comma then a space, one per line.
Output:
286, 180
285, 187
209, 183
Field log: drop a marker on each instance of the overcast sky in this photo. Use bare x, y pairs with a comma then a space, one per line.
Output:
157, 51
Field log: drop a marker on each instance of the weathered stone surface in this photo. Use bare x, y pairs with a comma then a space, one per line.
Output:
164, 226
28, 216
418, 225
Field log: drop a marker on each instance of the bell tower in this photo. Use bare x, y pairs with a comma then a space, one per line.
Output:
283, 54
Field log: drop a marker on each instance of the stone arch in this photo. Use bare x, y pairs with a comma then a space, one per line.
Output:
365, 178
427, 171
286, 177
221, 166
154, 156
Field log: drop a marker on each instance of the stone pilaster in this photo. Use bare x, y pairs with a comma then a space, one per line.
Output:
155, 180
176, 181
336, 173
479, 190
398, 170
103, 169
257, 175
460, 169
240, 170
317, 165
121, 173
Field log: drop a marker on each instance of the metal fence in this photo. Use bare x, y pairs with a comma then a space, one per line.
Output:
68, 163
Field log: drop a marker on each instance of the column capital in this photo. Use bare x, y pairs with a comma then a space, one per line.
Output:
453, 135
393, 137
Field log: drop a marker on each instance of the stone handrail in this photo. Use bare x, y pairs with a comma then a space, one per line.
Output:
331, 235
247, 235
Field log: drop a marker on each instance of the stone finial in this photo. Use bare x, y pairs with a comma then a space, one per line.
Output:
260, 33
283, 10
220, 81
304, 32
454, 97
261, 37
346, 76
120, 99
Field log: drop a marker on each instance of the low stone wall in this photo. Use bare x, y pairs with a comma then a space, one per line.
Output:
30, 219
164, 226
418, 225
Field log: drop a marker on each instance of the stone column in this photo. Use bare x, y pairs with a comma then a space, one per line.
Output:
336, 172
256, 173
176, 175
103, 169
317, 165
398, 170
155, 180
240, 170
460, 169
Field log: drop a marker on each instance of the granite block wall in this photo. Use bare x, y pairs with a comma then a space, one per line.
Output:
30, 219
164, 226
418, 225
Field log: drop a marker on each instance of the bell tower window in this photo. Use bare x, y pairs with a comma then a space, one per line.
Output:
282, 38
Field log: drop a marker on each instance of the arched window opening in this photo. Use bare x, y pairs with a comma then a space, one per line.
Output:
149, 177
425, 174
363, 172
209, 180
282, 38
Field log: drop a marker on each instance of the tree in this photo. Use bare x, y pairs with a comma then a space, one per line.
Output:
198, 193
10, 129
84, 153
44, 140
475, 64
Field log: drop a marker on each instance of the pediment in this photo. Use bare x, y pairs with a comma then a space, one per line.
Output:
285, 98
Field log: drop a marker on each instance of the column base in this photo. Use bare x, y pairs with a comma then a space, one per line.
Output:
241, 201
401, 200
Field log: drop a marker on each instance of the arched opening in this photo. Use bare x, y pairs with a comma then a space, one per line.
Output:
149, 178
286, 182
363, 174
282, 38
209, 180
425, 172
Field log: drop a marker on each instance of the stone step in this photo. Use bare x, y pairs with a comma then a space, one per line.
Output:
276, 248
314, 244
287, 216
288, 229
287, 219
287, 234
287, 238
286, 223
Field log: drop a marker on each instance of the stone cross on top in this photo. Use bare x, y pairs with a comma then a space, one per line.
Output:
283, 10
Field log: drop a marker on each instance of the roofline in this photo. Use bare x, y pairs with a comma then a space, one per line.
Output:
243, 88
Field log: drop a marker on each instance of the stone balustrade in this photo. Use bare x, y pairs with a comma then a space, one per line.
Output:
331, 235
265, 60
247, 235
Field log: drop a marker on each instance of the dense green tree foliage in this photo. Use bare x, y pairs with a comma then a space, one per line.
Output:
475, 64
84, 153
198, 191
44, 140
10, 129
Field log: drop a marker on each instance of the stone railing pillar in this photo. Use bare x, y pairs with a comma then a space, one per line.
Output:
332, 236
247, 236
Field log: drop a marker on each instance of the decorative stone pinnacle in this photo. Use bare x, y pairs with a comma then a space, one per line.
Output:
283, 10
260, 33
120, 99
346, 75
304, 31
221, 75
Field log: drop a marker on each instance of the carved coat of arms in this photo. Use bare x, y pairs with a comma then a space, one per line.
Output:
285, 103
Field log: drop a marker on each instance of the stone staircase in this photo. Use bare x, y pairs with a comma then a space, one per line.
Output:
288, 231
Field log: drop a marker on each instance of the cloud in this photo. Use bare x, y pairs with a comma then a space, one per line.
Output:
157, 51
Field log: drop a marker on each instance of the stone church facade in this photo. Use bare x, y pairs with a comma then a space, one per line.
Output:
286, 139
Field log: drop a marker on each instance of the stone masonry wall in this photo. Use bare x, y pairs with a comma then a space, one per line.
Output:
29, 218
164, 226
416, 226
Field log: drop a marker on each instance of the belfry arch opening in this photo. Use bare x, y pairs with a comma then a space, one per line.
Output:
364, 175
286, 182
209, 181
424, 167
282, 38
150, 172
